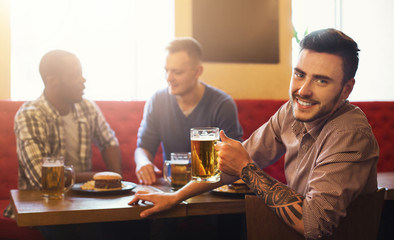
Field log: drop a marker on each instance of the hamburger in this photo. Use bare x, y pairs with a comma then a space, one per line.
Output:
239, 186
107, 181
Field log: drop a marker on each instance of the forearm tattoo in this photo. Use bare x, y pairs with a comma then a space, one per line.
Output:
284, 201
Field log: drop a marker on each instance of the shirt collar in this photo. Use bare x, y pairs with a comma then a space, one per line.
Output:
54, 112
299, 127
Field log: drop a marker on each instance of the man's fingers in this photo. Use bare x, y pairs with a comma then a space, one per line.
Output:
139, 176
223, 136
142, 177
143, 196
139, 196
134, 200
151, 177
148, 212
146, 175
157, 170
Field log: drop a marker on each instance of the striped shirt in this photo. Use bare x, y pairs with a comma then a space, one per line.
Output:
331, 164
40, 133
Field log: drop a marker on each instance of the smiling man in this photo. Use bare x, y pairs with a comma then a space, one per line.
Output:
330, 150
185, 103
317, 88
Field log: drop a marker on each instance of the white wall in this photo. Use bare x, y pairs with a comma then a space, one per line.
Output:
371, 25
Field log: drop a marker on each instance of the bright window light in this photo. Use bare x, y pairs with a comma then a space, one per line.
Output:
121, 44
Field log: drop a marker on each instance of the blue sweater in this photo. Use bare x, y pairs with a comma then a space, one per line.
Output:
165, 123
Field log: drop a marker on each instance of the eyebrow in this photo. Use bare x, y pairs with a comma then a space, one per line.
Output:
315, 75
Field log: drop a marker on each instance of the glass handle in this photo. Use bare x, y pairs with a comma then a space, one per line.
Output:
165, 172
69, 169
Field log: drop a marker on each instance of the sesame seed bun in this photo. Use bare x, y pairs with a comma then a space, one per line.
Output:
107, 176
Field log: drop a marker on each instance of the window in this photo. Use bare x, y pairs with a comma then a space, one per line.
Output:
369, 24
121, 44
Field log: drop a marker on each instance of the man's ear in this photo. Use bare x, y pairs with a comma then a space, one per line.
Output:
199, 71
51, 81
348, 88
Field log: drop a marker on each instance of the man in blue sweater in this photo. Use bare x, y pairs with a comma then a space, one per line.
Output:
185, 103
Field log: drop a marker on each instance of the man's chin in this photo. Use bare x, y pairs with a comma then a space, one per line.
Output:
171, 91
78, 99
303, 117
311, 117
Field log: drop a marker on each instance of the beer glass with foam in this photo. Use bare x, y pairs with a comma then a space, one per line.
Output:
52, 177
204, 155
177, 170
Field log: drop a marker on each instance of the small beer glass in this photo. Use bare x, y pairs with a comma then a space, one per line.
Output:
177, 170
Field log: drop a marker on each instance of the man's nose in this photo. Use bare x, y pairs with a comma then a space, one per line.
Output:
169, 76
306, 88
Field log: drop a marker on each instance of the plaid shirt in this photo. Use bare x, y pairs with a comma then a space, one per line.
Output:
40, 133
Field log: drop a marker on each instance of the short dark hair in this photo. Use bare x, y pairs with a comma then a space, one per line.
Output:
188, 44
334, 42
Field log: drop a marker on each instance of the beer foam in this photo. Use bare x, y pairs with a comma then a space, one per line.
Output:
53, 164
179, 162
204, 138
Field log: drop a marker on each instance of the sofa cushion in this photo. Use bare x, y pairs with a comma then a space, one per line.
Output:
8, 159
381, 118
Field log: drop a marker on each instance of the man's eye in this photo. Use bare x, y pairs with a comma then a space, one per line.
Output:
321, 81
299, 75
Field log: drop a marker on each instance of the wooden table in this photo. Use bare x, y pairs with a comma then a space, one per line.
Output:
386, 180
32, 210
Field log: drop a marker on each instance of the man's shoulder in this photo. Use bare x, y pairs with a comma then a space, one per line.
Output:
216, 91
34, 113
159, 94
217, 95
349, 118
37, 106
160, 98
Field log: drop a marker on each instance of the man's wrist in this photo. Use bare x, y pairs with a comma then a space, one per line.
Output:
244, 172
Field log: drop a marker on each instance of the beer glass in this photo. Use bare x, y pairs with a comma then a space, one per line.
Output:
204, 155
52, 177
177, 171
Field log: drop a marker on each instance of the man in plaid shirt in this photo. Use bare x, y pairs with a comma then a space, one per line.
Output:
62, 123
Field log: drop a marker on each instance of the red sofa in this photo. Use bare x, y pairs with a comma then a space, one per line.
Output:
125, 117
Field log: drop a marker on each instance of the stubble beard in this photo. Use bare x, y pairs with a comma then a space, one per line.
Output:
322, 112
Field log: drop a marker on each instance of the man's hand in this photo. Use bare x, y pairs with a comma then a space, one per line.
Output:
146, 174
232, 156
161, 201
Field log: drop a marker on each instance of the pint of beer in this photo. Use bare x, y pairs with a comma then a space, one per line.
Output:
204, 155
52, 177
